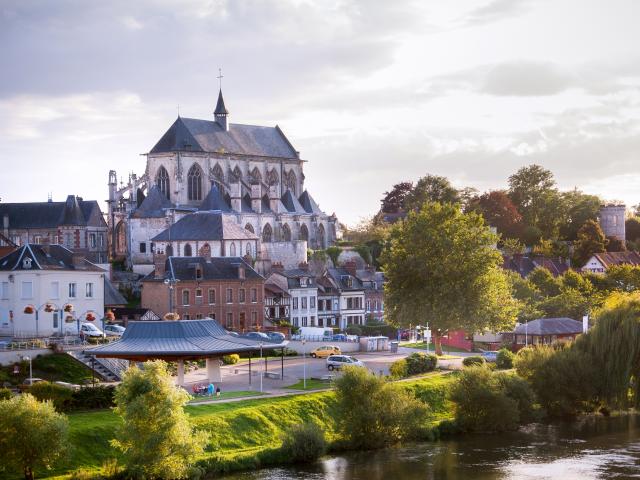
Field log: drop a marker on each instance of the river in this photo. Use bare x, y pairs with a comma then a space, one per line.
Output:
590, 448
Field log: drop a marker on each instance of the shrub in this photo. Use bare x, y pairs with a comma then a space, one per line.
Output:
304, 442
421, 363
231, 359
372, 413
353, 330
519, 390
5, 394
529, 360
473, 361
60, 396
481, 404
399, 369
504, 360
87, 398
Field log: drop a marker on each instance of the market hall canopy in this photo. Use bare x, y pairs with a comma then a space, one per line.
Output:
179, 340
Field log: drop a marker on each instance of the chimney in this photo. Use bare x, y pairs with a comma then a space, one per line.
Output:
241, 272
303, 266
277, 267
77, 260
350, 266
159, 261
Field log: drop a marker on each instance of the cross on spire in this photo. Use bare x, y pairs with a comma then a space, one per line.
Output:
220, 77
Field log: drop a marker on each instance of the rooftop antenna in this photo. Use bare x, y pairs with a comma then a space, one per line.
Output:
49, 197
178, 110
220, 77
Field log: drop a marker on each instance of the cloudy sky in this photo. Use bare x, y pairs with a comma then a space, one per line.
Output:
371, 92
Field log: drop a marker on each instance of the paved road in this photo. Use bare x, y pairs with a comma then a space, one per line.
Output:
236, 377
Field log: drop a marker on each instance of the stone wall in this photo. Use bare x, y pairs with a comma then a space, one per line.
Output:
289, 254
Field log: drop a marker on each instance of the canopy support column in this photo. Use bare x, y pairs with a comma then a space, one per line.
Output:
180, 373
213, 370
250, 355
282, 365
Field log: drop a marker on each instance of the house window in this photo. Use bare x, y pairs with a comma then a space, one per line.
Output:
27, 289
101, 240
37, 239
5, 290
16, 239
230, 320
198, 292
212, 296
229, 295
254, 295
312, 302
143, 247
185, 297
92, 240
212, 315
186, 316
198, 316
89, 290
368, 305
296, 323
295, 303
313, 320
254, 319
55, 290
304, 302
187, 250
55, 319
349, 303
72, 290
304, 321
198, 273
241, 294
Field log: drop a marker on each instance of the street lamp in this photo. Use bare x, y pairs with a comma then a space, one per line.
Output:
31, 309
261, 373
171, 283
304, 366
30, 369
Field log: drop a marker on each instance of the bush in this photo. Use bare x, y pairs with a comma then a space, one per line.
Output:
5, 394
303, 442
88, 398
519, 390
421, 363
473, 361
481, 405
60, 396
399, 369
353, 330
231, 359
504, 360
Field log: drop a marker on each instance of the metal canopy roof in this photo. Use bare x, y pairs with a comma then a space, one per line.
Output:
179, 339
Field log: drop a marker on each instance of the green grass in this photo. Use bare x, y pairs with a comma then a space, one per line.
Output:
243, 434
54, 367
431, 347
226, 396
312, 384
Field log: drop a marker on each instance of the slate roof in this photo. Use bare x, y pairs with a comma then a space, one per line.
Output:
341, 275
205, 225
291, 203
293, 276
112, 296
370, 279
309, 204
217, 268
159, 339
215, 201
550, 326
154, 205
44, 257
73, 211
190, 134
524, 264
220, 108
609, 259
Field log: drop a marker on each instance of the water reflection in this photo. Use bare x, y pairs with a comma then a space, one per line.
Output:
592, 448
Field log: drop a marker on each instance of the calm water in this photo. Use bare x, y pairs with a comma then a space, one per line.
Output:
593, 448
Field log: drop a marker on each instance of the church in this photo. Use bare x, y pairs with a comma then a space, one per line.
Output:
214, 188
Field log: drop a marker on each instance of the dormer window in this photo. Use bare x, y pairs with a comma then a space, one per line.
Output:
303, 281
198, 273
26, 263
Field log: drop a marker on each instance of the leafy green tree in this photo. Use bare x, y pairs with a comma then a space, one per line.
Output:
372, 413
441, 267
590, 240
569, 303
431, 188
624, 278
615, 245
394, 200
579, 208
33, 435
544, 281
155, 437
512, 246
632, 229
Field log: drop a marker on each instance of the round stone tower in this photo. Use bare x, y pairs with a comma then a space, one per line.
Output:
612, 219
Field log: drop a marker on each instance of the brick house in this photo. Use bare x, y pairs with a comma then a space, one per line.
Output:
226, 289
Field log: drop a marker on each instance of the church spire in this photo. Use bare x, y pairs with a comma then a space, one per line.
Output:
221, 111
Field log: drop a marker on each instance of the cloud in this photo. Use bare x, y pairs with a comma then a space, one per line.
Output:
494, 11
527, 78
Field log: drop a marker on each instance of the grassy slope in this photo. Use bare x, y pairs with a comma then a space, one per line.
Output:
239, 430
54, 367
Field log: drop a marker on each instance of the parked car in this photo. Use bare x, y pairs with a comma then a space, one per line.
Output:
233, 334
336, 362
490, 356
276, 336
325, 351
114, 330
90, 330
258, 336
339, 337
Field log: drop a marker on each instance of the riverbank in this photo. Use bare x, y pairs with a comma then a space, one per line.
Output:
243, 434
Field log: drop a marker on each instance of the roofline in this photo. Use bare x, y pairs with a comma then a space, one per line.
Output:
225, 155
25, 247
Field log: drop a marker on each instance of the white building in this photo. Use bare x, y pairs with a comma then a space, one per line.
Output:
37, 282
303, 291
351, 296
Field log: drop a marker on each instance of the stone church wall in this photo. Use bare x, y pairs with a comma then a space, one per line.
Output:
289, 254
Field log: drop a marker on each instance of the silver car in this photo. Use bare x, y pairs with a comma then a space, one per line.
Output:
336, 362
114, 330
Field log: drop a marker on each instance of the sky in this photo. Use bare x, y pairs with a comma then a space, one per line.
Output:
371, 92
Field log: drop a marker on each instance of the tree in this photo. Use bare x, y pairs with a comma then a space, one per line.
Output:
394, 200
441, 267
431, 188
499, 211
532, 190
155, 438
544, 281
632, 228
590, 240
372, 413
512, 246
579, 209
33, 435
615, 245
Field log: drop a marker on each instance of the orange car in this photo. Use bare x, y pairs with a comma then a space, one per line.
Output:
325, 351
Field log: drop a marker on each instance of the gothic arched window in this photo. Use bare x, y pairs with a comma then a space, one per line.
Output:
162, 181
286, 233
256, 177
272, 177
267, 233
304, 233
187, 250
218, 174
232, 250
322, 244
194, 183
249, 249
249, 228
169, 251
